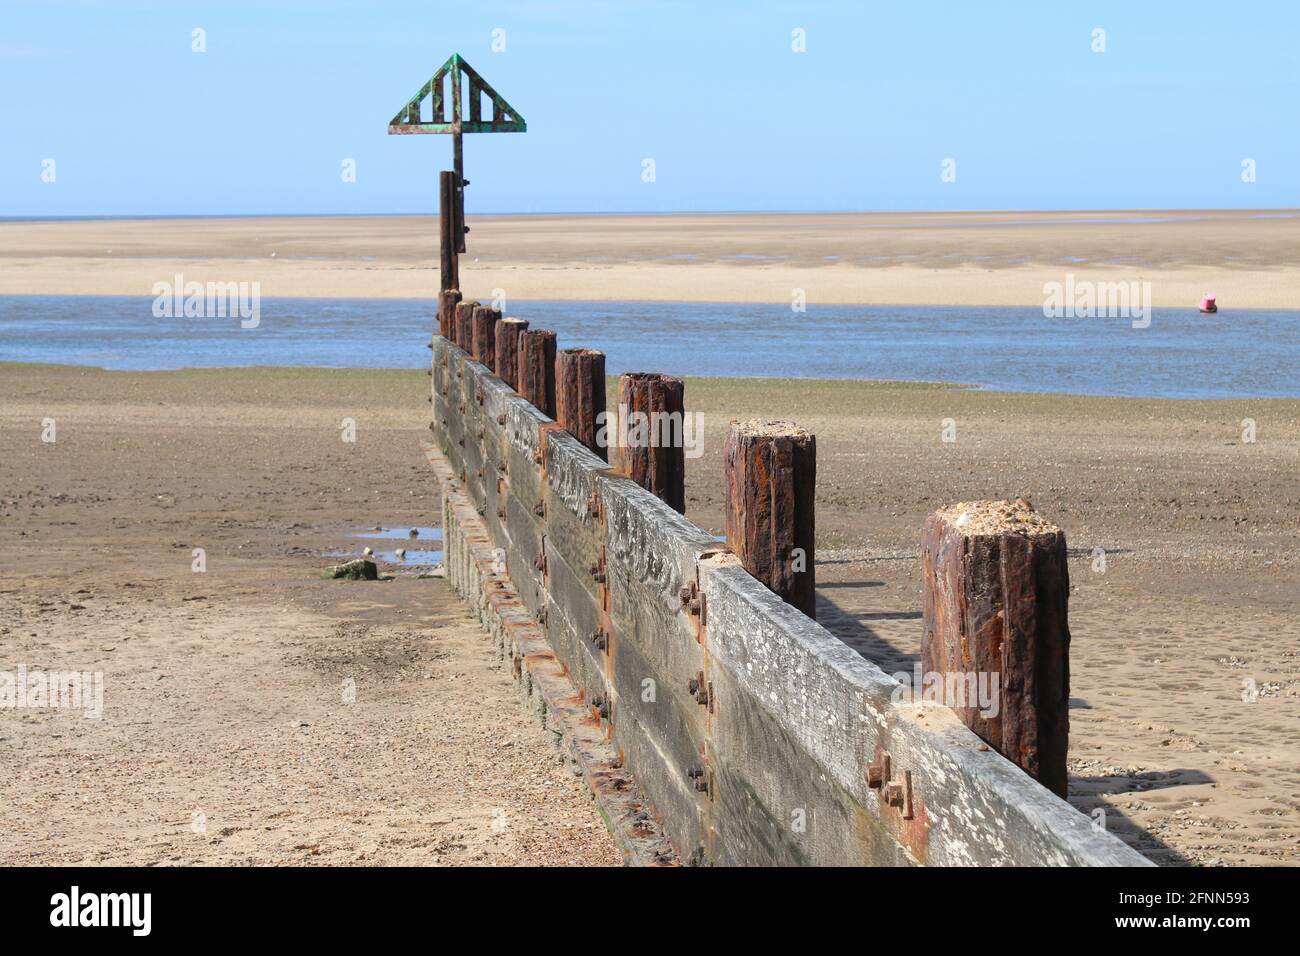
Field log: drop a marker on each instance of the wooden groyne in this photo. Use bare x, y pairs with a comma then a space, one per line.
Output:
715, 721
736, 729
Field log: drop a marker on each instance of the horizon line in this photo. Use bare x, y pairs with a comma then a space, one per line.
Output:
86, 217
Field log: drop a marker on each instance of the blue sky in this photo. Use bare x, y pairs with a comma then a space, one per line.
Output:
734, 119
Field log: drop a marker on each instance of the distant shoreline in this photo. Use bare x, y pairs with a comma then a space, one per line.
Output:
1005, 258
575, 214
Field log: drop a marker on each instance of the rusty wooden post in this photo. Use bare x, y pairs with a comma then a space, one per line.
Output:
651, 434
580, 395
447, 300
464, 324
771, 477
508, 331
447, 239
484, 342
996, 637
536, 369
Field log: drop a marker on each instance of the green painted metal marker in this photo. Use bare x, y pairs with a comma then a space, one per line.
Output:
505, 119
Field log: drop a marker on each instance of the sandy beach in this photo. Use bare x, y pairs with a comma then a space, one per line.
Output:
1246, 257
226, 738
222, 688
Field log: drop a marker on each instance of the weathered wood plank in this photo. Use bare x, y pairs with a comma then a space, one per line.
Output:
507, 332
651, 428
995, 639
537, 369
771, 480
580, 395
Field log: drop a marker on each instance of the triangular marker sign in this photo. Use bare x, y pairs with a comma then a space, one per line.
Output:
503, 118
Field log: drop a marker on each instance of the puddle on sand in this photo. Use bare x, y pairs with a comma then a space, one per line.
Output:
412, 558
424, 534
416, 551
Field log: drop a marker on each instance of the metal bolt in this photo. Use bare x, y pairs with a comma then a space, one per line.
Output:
501, 419
539, 509
702, 785
878, 772
695, 772
893, 793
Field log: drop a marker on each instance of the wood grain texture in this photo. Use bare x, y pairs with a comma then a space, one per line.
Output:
507, 333
537, 369
484, 342
997, 603
656, 466
464, 324
771, 480
447, 300
580, 395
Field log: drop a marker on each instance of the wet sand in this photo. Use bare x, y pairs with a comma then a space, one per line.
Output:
997, 258
224, 691
222, 688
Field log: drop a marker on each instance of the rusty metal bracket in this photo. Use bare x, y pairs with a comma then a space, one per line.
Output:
692, 599
895, 792
701, 690
703, 779
878, 771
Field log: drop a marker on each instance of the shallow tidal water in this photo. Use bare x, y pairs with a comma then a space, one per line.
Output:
1182, 354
